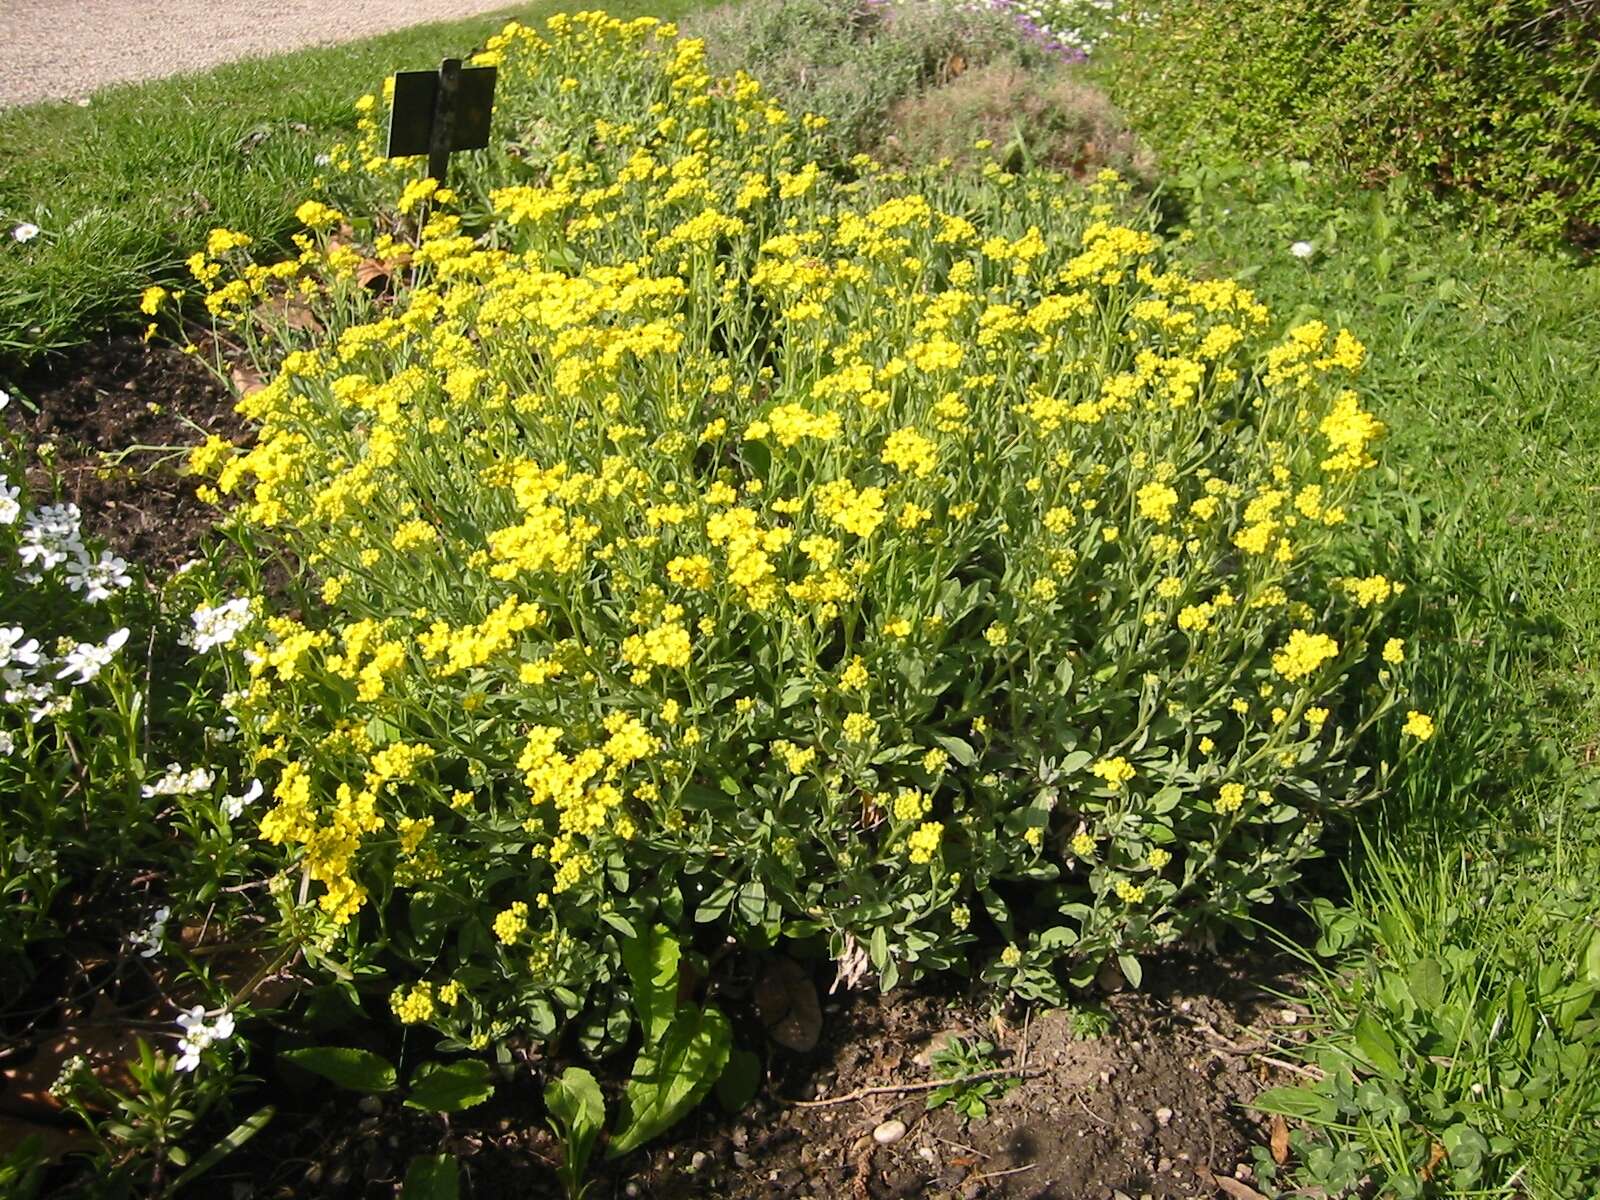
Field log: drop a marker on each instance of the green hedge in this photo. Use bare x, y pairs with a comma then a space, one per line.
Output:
1495, 103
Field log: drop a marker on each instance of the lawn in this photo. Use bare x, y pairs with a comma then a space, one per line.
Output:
123, 188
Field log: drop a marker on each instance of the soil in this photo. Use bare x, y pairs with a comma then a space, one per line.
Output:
120, 416
1154, 1108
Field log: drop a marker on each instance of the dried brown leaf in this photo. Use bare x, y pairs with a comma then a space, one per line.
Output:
1280, 1139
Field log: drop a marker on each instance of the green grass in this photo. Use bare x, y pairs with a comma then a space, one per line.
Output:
1455, 989
128, 187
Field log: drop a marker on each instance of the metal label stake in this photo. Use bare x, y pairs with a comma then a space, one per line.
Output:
439, 112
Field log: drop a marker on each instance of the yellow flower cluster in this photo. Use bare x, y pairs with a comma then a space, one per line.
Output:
671, 522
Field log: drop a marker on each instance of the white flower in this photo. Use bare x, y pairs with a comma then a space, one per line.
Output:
10, 509
7, 743
199, 1034
178, 782
14, 652
50, 535
51, 706
220, 625
87, 660
98, 580
25, 232
19, 693
151, 937
5, 399
232, 806
1302, 249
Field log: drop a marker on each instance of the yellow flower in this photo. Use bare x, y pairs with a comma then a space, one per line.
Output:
1303, 654
1115, 771
1419, 725
1230, 798
1394, 651
924, 841
511, 923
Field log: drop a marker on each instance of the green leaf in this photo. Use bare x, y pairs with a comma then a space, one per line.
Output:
1131, 970
1426, 981
957, 749
1376, 1046
432, 1177
356, 1070
450, 1087
575, 1103
1296, 1102
652, 964
739, 1081
671, 1078
240, 1134
1591, 959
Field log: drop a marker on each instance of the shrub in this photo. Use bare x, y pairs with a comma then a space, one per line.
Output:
1495, 103
851, 62
1052, 120
694, 535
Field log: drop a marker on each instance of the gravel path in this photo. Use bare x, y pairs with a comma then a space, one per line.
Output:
65, 49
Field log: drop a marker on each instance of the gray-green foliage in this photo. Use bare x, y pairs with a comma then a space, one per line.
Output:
851, 61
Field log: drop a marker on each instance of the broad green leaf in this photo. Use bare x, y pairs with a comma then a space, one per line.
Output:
739, 1081
671, 1078
1591, 960
956, 748
1426, 981
1376, 1046
575, 1102
432, 1177
356, 1070
450, 1087
652, 964
1132, 971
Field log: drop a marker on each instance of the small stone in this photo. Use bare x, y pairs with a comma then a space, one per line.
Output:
1243, 1172
889, 1133
1163, 1116
1288, 1016
700, 1159
370, 1106
1140, 1124
631, 1191
741, 1160
1164, 1166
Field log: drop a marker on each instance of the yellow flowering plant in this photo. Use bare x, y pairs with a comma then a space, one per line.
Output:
696, 533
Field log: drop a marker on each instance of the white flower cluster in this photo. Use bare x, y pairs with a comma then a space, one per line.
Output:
52, 535
199, 1034
152, 937
178, 782
1070, 27
220, 625
232, 806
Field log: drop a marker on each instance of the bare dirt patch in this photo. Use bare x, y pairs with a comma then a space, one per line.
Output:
115, 419
1156, 1107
